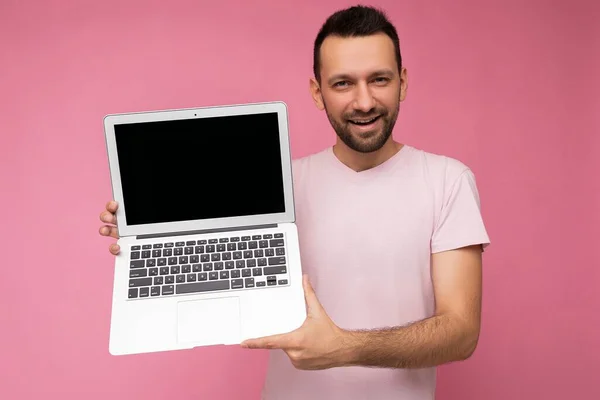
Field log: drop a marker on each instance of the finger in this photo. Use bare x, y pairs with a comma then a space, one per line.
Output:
114, 249
112, 206
283, 341
108, 217
111, 231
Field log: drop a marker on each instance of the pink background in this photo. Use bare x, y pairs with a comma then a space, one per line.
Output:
509, 87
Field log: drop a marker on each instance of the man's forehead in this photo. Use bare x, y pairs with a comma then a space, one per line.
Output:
357, 55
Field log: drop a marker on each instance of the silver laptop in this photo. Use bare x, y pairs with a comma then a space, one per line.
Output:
209, 246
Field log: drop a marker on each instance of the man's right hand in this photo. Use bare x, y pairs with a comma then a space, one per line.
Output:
108, 216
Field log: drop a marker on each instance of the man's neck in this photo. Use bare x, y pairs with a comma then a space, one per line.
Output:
363, 161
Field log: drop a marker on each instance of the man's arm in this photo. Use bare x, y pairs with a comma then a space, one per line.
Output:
450, 335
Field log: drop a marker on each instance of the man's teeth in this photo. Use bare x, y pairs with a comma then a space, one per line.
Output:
364, 122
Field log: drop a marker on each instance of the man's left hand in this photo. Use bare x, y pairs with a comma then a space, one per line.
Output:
318, 344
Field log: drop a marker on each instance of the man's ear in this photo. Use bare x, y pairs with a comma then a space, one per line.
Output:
403, 83
315, 91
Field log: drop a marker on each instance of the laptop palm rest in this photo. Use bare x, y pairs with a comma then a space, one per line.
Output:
209, 322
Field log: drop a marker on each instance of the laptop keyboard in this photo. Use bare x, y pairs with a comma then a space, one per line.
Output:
196, 266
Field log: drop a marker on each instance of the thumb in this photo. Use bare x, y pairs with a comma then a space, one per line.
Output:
313, 305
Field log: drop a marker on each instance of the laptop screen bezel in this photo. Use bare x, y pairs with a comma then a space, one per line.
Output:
178, 227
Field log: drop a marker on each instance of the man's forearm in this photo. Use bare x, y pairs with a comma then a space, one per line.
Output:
427, 343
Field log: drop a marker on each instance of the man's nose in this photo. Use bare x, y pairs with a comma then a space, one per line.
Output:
363, 100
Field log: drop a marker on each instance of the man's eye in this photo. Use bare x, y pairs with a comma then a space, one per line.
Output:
340, 84
381, 80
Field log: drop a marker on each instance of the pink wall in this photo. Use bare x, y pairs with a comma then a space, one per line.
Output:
508, 87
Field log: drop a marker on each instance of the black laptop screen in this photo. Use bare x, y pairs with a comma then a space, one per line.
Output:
200, 168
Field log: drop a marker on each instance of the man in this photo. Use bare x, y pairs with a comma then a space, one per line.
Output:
391, 237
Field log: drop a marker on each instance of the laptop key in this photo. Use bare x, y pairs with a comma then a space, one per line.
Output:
140, 282
135, 255
249, 282
136, 247
276, 260
280, 269
276, 242
282, 282
155, 291
168, 289
197, 287
260, 284
279, 235
138, 273
169, 280
138, 264
213, 276
181, 278
133, 293
237, 283
144, 292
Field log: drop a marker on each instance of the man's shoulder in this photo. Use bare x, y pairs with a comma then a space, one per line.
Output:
439, 165
302, 163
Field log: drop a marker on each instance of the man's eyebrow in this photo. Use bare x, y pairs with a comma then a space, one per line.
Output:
379, 72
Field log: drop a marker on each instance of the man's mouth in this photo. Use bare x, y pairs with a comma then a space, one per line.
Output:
364, 121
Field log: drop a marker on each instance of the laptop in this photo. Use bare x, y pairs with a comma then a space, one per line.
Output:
209, 246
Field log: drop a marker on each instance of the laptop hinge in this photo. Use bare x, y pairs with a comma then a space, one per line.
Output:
205, 231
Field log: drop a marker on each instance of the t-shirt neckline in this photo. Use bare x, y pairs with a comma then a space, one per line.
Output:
386, 165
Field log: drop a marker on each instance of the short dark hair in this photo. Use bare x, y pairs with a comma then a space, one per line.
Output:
355, 21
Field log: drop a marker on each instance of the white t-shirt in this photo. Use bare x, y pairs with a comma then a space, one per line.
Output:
366, 240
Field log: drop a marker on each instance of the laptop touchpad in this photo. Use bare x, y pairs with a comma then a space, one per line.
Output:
209, 322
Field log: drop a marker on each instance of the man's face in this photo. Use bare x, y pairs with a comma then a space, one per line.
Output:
361, 89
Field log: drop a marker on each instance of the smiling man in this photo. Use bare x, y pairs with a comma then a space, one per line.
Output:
391, 237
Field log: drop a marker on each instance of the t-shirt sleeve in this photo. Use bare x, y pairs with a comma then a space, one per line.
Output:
460, 223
